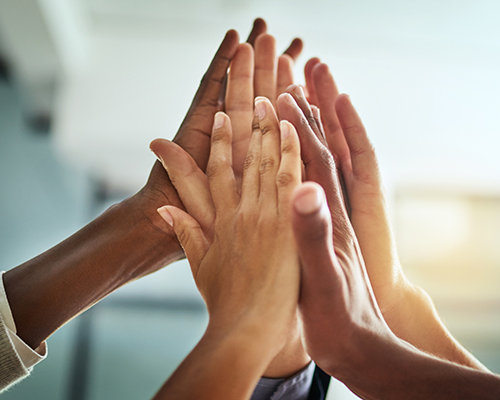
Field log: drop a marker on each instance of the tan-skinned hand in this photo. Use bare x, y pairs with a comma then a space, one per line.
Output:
244, 262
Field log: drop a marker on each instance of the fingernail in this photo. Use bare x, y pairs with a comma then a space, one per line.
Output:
285, 129
157, 156
299, 91
260, 109
219, 120
163, 211
310, 201
289, 98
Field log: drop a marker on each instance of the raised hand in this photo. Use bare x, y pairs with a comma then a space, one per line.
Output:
342, 152
242, 253
344, 330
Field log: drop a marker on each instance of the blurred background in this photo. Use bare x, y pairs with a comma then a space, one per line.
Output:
85, 85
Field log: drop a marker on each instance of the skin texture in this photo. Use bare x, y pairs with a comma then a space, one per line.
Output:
243, 261
344, 330
338, 155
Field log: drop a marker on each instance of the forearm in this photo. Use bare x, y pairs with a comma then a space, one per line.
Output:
221, 366
123, 244
397, 371
414, 319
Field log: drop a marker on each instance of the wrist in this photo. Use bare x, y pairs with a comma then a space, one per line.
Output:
155, 240
259, 335
291, 359
117, 247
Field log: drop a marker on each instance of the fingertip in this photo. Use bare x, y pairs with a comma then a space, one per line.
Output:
232, 36
219, 120
245, 48
153, 146
165, 214
311, 63
285, 59
285, 129
265, 41
308, 198
295, 48
259, 24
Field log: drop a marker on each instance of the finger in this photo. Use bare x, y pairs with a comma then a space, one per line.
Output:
312, 227
295, 49
199, 118
300, 98
219, 169
189, 181
308, 74
327, 93
259, 27
285, 73
269, 127
265, 67
251, 169
363, 158
317, 116
189, 233
290, 169
319, 163
310, 146
239, 99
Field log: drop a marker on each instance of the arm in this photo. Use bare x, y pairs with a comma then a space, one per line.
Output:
344, 330
344, 146
126, 242
243, 261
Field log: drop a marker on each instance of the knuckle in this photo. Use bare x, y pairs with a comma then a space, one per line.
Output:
219, 136
249, 161
266, 165
255, 125
288, 148
214, 167
303, 121
326, 158
265, 128
284, 179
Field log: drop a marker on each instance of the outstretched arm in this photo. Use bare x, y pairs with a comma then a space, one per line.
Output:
128, 241
343, 328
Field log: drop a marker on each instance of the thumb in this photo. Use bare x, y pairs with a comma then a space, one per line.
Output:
312, 226
189, 234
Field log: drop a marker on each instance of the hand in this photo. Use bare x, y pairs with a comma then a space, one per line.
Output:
243, 262
337, 307
344, 145
344, 330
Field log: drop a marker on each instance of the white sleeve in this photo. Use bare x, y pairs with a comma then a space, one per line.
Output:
28, 356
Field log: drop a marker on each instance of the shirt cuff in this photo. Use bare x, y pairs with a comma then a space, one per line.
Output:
28, 356
297, 387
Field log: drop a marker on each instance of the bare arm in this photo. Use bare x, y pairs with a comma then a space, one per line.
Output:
128, 241
344, 330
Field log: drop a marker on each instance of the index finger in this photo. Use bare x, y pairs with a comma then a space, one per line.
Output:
200, 116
